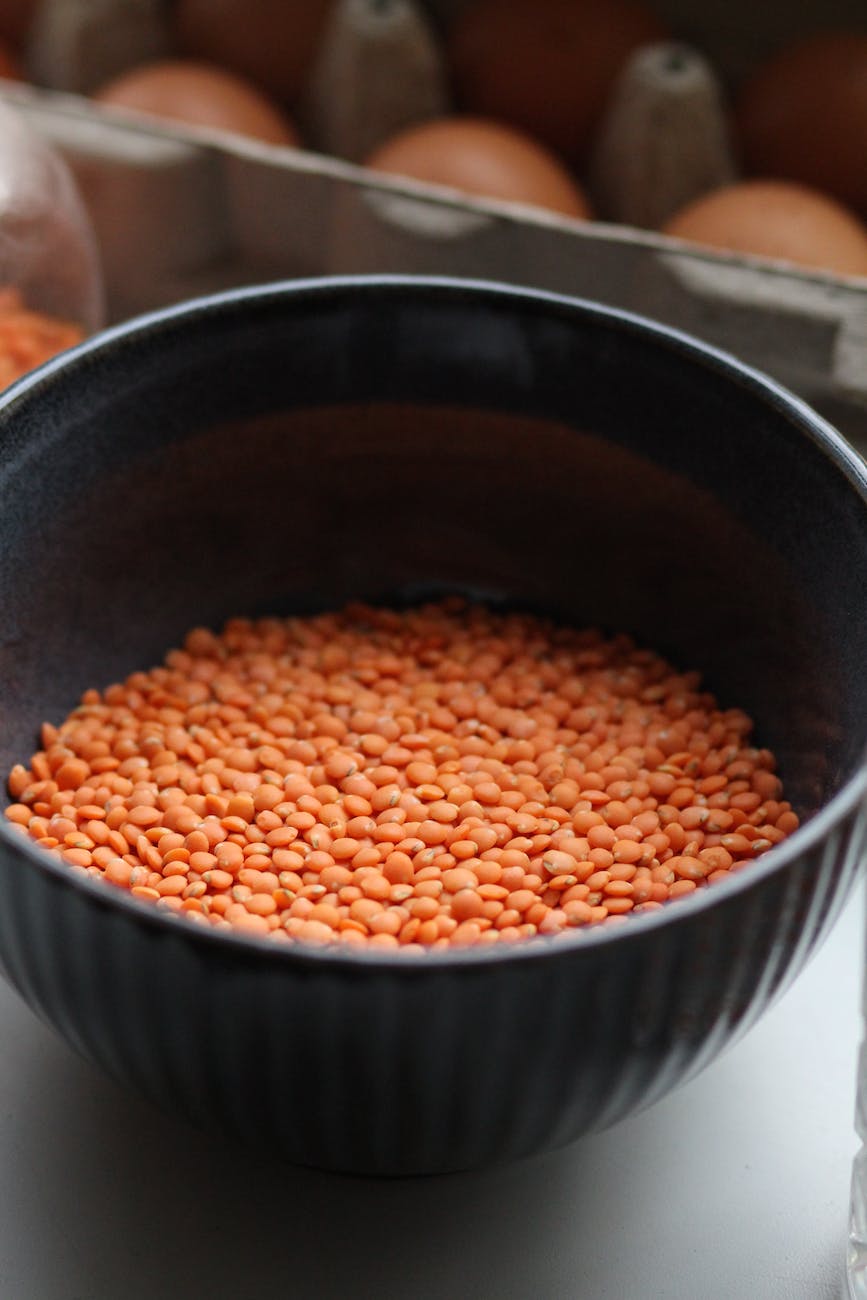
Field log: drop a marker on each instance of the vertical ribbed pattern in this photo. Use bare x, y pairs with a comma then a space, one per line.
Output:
419, 1067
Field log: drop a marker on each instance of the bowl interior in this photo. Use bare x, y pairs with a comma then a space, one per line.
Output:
290, 449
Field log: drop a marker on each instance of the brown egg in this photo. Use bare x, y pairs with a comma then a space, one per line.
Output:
776, 219
546, 65
803, 116
483, 158
200, 95
272, 42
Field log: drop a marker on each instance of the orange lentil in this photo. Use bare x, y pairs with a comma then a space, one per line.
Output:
558, 863
170, 885
465, 904
444, 775
262, 904
618, 906
176, 869
787, 822
260, 862
520, 900
142, 891
688, 867
424, 907
117, 872
202, 862
229, 856
458, 878
20, 813
218, 880
246, 922
628, 851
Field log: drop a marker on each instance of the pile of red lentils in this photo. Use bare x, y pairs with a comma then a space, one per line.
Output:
418, 779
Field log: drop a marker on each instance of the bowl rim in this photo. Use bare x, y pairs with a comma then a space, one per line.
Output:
142, 327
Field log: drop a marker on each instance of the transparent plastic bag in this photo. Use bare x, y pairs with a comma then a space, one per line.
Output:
51, 291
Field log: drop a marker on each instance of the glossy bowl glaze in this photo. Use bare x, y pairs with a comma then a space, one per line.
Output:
289, 447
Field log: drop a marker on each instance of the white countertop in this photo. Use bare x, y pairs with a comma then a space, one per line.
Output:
736, 1187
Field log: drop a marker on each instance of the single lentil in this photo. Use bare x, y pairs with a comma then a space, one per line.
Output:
444, 775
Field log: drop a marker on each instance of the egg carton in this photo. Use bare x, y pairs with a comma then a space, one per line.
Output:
183, 211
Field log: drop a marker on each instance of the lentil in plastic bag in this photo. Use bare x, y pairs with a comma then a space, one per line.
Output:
50, 282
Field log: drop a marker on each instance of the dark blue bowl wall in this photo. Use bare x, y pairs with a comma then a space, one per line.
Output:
298, 448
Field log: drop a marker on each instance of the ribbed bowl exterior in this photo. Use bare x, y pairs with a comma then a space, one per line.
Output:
412, 1067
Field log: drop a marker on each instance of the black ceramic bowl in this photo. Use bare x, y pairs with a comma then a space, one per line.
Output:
290, 447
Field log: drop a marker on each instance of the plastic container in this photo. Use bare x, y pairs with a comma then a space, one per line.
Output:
50, 283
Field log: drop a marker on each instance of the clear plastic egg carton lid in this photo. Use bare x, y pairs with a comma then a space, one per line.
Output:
49, 259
